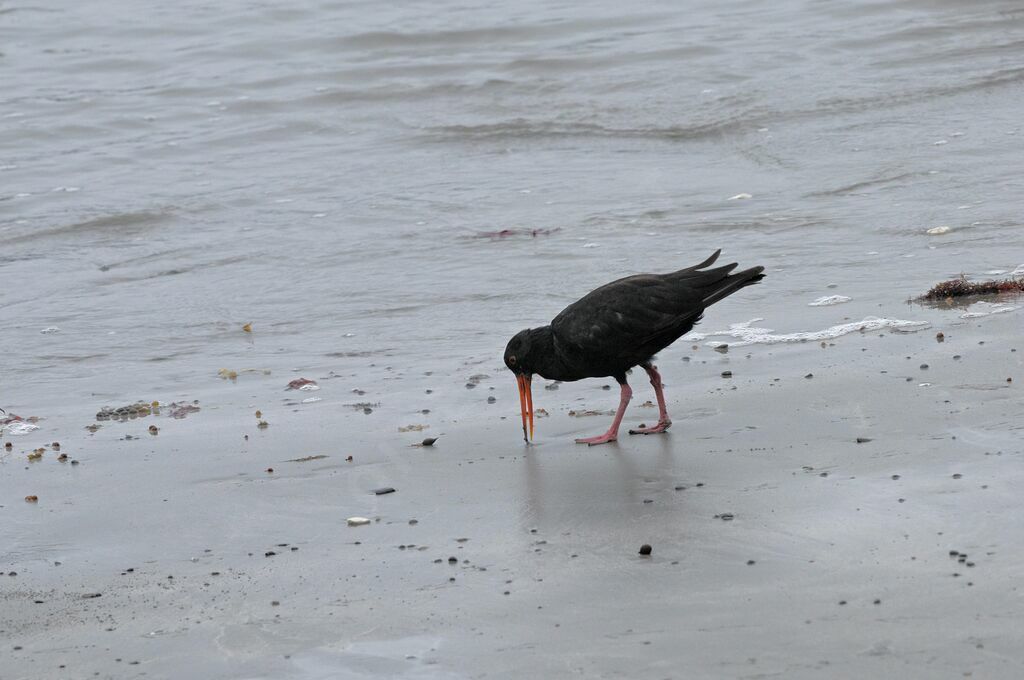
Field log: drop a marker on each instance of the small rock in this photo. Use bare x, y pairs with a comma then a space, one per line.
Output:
809, 376
863, 440
429, 441
32, 499
384, 490
726, 374
645, 549
357, 521
940, 336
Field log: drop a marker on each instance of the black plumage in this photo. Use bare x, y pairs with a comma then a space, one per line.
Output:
621, 325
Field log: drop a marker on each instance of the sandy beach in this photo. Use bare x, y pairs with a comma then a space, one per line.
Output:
803, 517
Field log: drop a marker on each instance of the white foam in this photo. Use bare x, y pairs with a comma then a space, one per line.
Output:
739, 197
987, 309
748, 335
311, 400
829, 300
50, 330
310, 387
19, 428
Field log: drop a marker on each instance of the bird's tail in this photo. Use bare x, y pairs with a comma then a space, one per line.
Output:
732, 283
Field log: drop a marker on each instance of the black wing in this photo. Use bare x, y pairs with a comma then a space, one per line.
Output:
625, 322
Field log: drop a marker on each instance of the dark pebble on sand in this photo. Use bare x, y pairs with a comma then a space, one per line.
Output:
680, 488
969, 564
491, 400
89, 596
726, 374
648, 500
924, 367
12, 573
954, 553
429, 441
957, 476
645, 549
842, 602
726, 516
863, 440
940, 336
877, 602
269, 553
895, 476
470, 385
383, 490
274, 603
809, 376
453, 560
751, 562
414, 521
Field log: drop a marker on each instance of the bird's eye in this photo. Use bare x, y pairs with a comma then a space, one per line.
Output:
512, 360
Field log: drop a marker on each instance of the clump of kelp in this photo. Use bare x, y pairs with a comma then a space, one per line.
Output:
961, 287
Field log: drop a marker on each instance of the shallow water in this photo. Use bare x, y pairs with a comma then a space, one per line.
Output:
327, 173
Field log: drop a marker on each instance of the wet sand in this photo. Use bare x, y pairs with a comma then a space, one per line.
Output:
493, 559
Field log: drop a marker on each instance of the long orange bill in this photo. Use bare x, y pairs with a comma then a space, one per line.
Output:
526, 404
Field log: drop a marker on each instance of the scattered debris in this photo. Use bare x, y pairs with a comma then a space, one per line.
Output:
247, 328
413, 428
506, 233
262, 425
227, 374
961, 287
306, 459
583, 414
938, 231
32, 499
739, 197
181, 409
303, 384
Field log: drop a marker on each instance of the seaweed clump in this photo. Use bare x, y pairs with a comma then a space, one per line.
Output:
961, 287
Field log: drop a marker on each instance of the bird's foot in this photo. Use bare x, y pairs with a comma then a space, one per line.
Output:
601, 439
657, 429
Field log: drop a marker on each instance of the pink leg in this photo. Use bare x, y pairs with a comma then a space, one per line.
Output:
613, 432
664, 422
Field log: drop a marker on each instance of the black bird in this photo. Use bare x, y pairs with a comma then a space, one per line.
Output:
618, 326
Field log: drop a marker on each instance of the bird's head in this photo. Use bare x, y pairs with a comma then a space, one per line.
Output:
518, 360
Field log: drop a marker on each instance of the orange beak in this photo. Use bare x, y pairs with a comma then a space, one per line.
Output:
526, 403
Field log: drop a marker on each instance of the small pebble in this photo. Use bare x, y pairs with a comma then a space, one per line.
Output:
940, 336
863, 440
645, 549
384, 490
429, 441
809, 376
726, 374
357, 521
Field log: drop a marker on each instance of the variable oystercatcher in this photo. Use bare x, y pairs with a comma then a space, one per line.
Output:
616, 327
